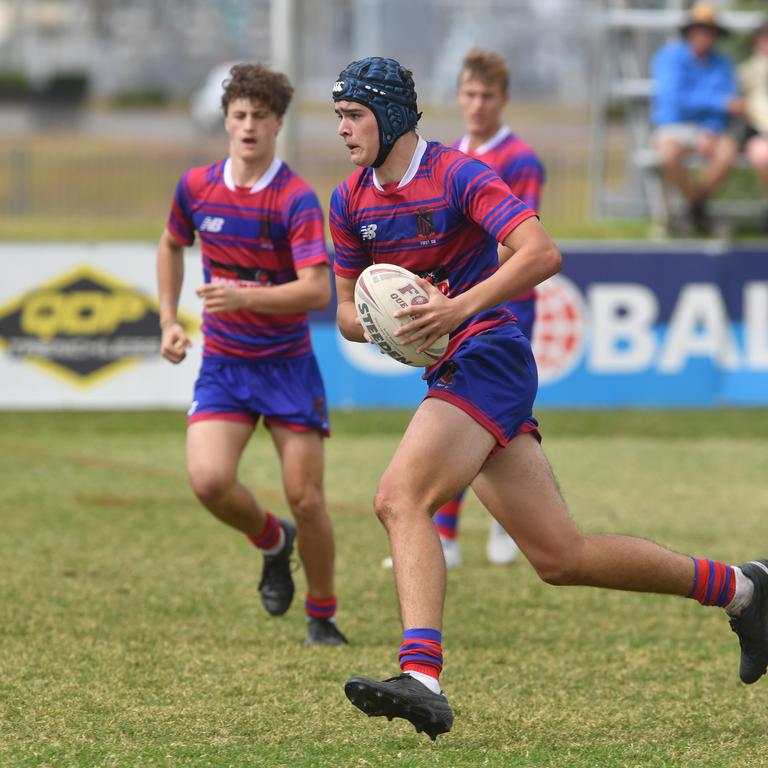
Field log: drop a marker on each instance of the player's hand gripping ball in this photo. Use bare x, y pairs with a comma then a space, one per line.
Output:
380, 291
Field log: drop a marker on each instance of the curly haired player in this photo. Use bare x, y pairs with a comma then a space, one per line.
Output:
475, 425
264, 265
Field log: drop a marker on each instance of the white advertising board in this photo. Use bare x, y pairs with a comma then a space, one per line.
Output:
79, 328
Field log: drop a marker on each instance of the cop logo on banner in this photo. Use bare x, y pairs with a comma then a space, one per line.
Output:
83, 326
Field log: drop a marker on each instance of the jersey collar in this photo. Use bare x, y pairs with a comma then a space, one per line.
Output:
493, 142
418, 153
262, 183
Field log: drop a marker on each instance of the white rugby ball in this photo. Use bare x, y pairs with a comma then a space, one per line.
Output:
380, 291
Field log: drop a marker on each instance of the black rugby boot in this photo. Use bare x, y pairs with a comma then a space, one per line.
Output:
752, 625
276, 585
402, 696
324, 632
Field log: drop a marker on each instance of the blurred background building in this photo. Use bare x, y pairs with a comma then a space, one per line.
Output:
169, 46
95, 95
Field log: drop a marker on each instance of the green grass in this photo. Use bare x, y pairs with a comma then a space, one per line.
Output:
131, 633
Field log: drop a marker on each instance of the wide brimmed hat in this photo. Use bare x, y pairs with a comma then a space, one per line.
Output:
703, 15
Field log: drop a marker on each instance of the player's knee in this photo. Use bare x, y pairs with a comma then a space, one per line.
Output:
389, 506
209, 487
384, 507
395, 502
554, 573
305, 502
559, 568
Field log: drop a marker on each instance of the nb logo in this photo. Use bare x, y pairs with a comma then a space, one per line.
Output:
212, 224
338, 86
368, 231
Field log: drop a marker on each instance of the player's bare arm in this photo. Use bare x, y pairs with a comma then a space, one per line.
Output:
536, 259
350, 326
311, 290
505, 254
170, 276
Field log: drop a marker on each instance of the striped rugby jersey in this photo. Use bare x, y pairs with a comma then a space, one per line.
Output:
517, 164
443, 220
255, 236
514, 160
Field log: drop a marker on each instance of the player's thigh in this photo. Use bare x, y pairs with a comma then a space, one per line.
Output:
519, 489
440, 453
302, 458
214, 448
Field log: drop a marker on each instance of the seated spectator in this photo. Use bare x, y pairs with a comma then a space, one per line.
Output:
696, 95
753, 76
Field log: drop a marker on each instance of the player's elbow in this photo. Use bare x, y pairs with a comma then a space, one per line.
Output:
551, 259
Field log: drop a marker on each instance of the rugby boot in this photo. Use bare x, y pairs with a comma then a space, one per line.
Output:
752, 625
402, 696
324, 632
276, 585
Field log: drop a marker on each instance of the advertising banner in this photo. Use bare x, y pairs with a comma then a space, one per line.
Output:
623, 326
79, 328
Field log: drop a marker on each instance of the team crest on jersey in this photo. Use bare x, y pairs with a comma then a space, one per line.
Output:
425, 227
368, 231
265, 228
212, 224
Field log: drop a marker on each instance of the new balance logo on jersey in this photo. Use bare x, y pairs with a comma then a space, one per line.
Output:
212, 224
368, 231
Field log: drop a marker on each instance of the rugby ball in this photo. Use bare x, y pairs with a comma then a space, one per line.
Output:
380, 291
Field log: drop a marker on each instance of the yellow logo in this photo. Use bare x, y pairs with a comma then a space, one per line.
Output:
84, 326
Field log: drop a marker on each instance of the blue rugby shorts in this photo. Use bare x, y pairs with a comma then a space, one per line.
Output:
288, 392
493, 378
524, 310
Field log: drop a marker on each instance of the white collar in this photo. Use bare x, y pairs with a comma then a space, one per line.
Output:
418, 153
262, 183
494, 141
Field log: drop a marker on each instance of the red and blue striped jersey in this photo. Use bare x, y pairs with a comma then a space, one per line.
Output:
517, 164
443, 220
251, 236
514, 160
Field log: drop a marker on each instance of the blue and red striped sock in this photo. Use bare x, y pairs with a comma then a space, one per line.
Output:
714, 583
447, 517
270, 536
421, 651
320, 608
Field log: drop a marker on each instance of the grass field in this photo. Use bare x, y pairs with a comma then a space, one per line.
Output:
131, 633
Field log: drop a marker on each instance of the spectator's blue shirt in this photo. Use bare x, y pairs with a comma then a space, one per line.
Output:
689, 89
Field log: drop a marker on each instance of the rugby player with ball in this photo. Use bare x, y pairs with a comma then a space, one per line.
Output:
441, 214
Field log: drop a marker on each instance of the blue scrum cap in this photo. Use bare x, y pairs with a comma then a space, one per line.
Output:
387, 89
